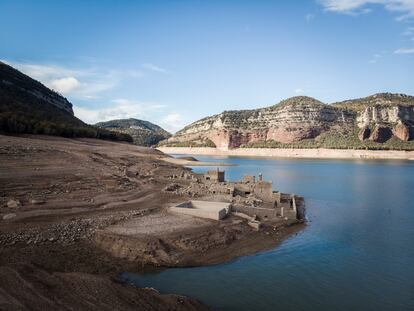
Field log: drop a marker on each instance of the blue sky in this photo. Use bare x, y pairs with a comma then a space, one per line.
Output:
173, 62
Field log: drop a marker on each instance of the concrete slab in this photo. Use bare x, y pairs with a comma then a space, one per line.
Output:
203, 209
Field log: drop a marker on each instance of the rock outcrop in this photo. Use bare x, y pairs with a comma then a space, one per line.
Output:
364, 133
402, 132
304, 118
27, 106
143, 133
24, 88
381, 134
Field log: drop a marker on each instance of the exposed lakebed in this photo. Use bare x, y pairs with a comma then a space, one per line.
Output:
356, 253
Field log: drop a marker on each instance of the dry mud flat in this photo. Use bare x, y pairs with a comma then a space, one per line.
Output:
295, 153
187, 162
75, 213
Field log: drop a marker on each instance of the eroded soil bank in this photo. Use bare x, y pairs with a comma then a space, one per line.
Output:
76, 213
295, 153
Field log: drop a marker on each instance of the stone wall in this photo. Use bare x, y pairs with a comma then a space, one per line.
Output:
300, 208
261, 213
264, 190
203, 209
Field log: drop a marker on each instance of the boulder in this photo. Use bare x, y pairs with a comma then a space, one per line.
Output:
9, 216
172, 187
402, 132
381, 134
364, 133
14, 203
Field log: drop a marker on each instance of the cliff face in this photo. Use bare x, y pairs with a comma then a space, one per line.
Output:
381, 108
378, 117
27, 106
25, 89
144, 133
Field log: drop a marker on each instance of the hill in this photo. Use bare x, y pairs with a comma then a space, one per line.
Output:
381, 121
143, 133
27, 106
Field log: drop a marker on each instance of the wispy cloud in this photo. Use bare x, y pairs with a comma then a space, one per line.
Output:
404, 51
172, 122
65, 85
375, 58
153, 67
85, 83
120, 108
404, 7
93, 83
309, 17
298, 91
409, 32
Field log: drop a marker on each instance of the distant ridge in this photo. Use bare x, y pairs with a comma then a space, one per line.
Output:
380, 121
27, 106
144, 133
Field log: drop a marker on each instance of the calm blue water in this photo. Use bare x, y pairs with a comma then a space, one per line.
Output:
357, 253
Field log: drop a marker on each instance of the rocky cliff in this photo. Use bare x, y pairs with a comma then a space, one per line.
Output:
24, 88
144, 133
27, 106
380, 121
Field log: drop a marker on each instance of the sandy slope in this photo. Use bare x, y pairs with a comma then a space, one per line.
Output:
295, 153
185, 162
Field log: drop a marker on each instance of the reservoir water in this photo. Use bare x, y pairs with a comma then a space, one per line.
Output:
357, 252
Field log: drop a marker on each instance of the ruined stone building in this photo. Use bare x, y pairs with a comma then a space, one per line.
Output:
261, 189
216, 176
254, 197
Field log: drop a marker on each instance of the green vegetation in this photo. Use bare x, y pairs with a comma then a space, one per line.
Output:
143, 133
298, 101
378, 100
192, 143
208, 120
50, 121
340, 138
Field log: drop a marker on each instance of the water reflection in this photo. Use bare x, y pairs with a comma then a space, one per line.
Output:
357, 252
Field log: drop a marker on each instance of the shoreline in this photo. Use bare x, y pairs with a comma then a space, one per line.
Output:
184, 162
105, 214
295, 153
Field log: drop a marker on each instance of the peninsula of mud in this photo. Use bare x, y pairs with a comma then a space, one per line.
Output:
75, 213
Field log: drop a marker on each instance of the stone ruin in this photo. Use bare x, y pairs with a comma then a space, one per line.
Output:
251, 197
203, 209
215, 176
